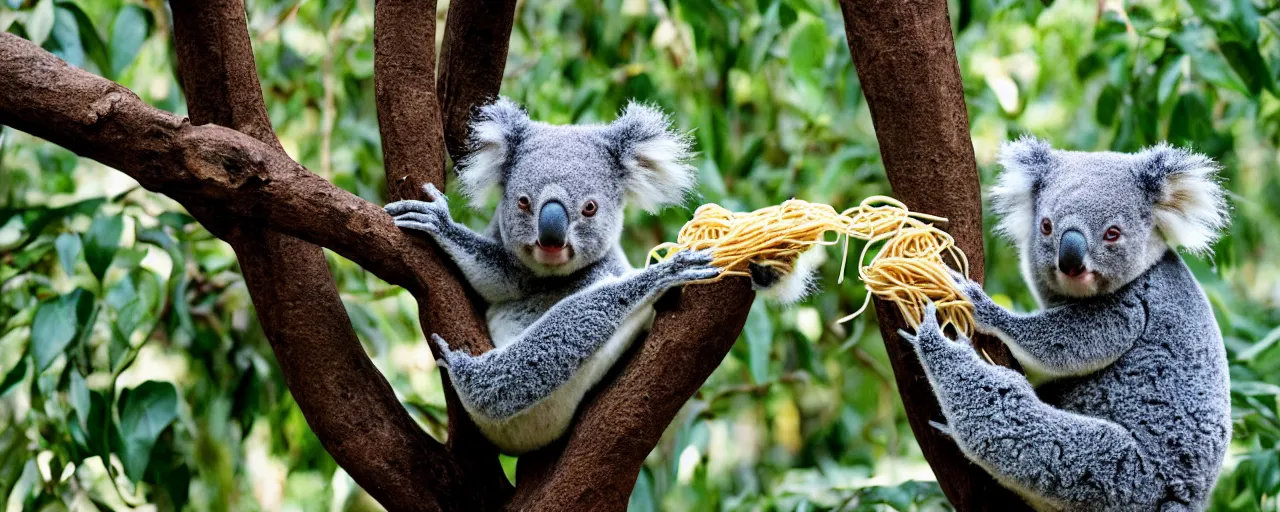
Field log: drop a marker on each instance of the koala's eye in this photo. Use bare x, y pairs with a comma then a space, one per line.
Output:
523, 203
589, 209
1112, 234
1046, 227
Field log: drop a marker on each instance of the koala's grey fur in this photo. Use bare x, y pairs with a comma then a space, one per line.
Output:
557, 327
1137, 415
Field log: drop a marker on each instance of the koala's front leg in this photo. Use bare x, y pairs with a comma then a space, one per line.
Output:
1072, 339
1063, 460
502, 382
487, 265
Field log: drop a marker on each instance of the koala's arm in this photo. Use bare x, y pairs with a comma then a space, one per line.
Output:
1056, 458
505, 381
1073, 339
488, 267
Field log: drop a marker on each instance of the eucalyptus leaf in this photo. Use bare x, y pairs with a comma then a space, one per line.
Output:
759, 334
65, 40
128, 31
80, 399
52, 329
69, 249
101, 243
90, 39
40, 24
145, 411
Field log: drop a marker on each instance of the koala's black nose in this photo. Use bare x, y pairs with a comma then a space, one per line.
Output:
553, 225
1071, 251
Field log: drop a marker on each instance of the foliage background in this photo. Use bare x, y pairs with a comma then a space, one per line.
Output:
128, 331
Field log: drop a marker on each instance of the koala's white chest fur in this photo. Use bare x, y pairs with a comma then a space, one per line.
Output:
548, 419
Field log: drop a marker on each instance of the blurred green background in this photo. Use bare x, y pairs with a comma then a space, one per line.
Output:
127, 329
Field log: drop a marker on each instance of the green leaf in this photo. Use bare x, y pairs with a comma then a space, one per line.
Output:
1108, 104
14, 376
52, 329
101, 427
1170, 77
101, 243
759, 333
36, 227
145, 411
808, 50
80, 400
65, 38
128, 32
90, 39
69, 249
41, 22
119, 347
1190, 120
1249, 64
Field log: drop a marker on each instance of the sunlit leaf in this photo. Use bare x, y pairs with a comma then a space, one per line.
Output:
40, 24
69, 249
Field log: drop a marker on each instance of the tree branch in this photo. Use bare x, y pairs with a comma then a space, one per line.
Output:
476, 37
404, 64
323, 362
413, 153
595, 466
905, 58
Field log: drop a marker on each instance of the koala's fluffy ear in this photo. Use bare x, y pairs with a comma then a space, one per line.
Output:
1189, 207
1025, 162
496, 130
654, 157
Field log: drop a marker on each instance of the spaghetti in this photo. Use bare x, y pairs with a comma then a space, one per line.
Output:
909, 269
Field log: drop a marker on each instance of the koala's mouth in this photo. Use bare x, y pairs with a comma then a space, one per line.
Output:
552, 256
1084, 284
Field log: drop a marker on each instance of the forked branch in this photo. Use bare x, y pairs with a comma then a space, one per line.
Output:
906, 60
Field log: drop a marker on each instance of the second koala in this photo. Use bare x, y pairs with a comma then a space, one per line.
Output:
563, 302
1137, 412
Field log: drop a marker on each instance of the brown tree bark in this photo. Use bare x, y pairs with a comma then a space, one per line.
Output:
239, 183
906, 61
413, 153
476, 37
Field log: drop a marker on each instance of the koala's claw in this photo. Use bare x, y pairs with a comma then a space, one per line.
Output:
433, 194
699, 273
930, 319
441, 344
417, 221
941, 427
702, 257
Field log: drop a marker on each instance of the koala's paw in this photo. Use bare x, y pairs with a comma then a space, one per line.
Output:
429, 216
445, 351
929, 337
942, 427
687, 266
985, 310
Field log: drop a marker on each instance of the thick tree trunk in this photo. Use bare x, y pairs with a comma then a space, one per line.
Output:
413, 154
906, 61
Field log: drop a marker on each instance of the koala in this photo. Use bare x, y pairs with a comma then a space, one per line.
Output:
1133, 410
563, 302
